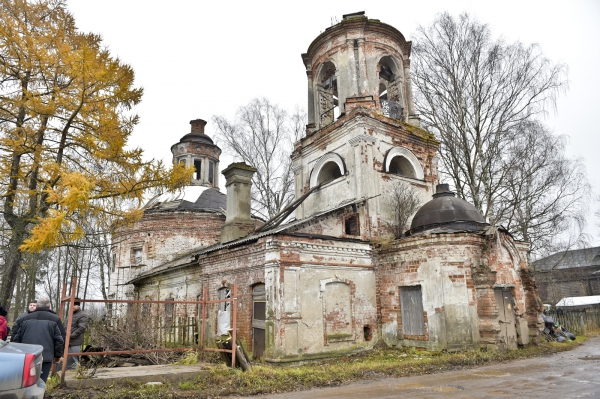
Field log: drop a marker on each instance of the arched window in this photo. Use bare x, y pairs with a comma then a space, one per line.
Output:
329, 171
401, 161
329, 167
402, 166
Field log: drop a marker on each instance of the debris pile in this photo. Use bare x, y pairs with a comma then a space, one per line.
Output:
553, 331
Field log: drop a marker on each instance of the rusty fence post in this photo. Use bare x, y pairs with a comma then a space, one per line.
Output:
68, 330
234, 322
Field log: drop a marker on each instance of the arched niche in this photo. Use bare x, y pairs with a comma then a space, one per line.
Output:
401, 161
329, 167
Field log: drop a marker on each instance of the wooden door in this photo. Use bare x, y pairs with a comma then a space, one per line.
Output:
259, 316
411, 303
506, 317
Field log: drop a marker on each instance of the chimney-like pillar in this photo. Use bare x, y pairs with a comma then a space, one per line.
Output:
238, 177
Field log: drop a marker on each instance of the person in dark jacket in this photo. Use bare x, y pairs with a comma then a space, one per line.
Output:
78, 326
43, 327
31, 308
3, 323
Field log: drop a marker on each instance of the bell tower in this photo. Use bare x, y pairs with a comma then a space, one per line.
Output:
359, 61
363, 139
198, 150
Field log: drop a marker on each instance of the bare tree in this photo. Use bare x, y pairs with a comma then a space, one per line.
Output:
404, 201
481, 97
262, 135
544, 195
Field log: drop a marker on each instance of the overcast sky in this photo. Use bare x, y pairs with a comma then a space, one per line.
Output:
197, 59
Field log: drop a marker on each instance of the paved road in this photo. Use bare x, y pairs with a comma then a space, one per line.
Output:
573, 374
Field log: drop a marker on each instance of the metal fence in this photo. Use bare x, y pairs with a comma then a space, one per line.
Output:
578, 321
170, 332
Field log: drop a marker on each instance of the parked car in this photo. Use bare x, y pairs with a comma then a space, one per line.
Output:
20, 371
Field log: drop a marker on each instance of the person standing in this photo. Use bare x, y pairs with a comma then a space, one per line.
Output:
3, 324
43, 327
78, 327
31, 308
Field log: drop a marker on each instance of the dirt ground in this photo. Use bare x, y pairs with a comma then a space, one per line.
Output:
572, 374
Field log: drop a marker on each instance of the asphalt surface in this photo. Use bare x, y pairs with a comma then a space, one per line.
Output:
566, 375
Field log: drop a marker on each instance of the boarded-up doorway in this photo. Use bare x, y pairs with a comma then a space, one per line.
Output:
259, 315
506, 318
411, 304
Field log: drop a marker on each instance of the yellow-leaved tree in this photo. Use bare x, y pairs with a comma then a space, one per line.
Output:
65, 120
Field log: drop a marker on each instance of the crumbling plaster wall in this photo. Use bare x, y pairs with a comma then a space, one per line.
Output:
458, 274
297, 273
301, 281
161, 236
362, 142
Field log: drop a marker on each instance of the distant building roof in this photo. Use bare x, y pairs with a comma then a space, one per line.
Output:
190, 198
569, 259
579, 301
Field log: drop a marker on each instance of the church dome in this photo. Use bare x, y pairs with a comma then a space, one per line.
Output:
447, 212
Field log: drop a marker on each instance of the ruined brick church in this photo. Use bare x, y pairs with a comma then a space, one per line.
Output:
330, 281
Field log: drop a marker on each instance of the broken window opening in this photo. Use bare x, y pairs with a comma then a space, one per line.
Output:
403, 167
352, 225
136, 255
224, 312
330, 171
198, 167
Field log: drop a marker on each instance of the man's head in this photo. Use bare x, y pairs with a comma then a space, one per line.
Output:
32, 306
76, 304
3, 311
44, 303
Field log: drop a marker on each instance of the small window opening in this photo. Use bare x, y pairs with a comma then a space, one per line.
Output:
136, 256
352, 225
211, 167
368, 333
402, 166
198, 166
329, 171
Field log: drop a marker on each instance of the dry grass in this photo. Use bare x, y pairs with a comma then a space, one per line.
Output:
222, 381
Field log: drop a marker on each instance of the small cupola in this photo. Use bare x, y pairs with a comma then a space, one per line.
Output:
198, 149
447, 213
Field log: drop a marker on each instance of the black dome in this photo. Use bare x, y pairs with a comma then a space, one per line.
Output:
447, 211
197, 134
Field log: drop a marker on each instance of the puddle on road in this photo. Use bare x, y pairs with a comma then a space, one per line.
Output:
446, 389
590, 358
442, 388
491, 373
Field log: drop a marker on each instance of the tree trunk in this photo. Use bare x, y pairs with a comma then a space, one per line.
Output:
12, 266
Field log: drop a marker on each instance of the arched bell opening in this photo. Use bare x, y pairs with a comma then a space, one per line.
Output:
390, 94
330, 171
327, 94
